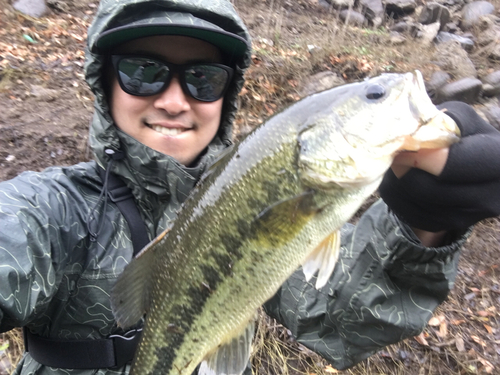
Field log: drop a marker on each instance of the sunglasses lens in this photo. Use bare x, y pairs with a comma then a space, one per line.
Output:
206, 82
141, 76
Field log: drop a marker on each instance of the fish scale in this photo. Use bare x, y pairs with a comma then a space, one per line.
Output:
266, 207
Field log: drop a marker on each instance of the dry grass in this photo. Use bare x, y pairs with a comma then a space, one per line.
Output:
11, 350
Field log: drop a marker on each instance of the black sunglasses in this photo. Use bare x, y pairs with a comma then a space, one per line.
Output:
145, 76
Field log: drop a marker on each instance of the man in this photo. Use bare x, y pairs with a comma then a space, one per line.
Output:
66, 237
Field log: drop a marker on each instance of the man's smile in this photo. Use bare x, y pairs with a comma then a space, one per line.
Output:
168, 131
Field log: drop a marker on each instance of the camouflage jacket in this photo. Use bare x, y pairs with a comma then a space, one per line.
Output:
56, 280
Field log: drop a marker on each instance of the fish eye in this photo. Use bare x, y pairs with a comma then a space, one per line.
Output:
374, 92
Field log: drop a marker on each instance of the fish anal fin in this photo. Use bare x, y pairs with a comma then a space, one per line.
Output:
323, 259
232, 357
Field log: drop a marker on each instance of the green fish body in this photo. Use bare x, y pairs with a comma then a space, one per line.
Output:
274, 202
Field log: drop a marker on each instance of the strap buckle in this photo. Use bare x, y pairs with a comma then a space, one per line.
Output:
125, 346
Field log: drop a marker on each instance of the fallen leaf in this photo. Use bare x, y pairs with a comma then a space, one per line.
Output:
488, 367
484, 313
491, 309
457, 322
488, 328
477, 340
459, 342
436, 320
257, 97
331, 370
421, 339
470, 296
443, 330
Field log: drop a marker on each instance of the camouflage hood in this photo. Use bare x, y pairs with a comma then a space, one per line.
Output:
144, 169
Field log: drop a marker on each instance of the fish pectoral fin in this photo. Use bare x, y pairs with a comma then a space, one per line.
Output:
130, 296
283, 219
232, 357
323, 259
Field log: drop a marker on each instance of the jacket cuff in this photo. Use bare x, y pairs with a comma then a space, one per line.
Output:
405, 246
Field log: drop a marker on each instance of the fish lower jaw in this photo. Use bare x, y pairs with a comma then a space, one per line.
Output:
167, 131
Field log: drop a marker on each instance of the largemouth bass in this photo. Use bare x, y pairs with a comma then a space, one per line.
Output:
274, 202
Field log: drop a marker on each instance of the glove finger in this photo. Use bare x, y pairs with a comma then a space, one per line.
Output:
426, 203
475, 158
426, 188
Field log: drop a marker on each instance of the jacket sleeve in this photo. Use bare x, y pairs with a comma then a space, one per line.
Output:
384, 289
36, 221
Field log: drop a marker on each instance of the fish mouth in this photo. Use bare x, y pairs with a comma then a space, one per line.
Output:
435, 128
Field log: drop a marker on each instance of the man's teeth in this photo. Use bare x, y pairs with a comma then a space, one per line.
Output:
167, 131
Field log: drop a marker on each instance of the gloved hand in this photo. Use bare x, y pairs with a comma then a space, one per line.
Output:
466, 191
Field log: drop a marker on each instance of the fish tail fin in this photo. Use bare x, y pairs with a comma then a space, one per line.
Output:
131, 295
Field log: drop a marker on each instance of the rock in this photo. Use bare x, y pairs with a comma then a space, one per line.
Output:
437, 80
428, 33
59, 5
492, 114
494, 53
465, 90
402, 27
373, 10
451, 28
396, 38
488, 31
351, 17
491, 84
43, 93
342, 4
466, 43
453, 59
324, 4
400, 7
472, 12
320, 82
434, 12
32, 8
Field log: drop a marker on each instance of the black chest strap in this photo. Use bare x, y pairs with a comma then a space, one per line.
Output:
121, 195
114, 351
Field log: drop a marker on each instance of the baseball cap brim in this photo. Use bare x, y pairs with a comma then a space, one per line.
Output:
169, 23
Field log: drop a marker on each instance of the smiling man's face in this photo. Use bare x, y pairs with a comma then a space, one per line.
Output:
170, 122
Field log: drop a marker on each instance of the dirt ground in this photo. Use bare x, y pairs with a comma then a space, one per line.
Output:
46, 108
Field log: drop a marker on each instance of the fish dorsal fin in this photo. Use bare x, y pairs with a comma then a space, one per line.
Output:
323, 258
131, 295
218, 162
232, 357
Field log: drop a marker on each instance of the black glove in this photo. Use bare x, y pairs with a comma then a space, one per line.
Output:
468, 189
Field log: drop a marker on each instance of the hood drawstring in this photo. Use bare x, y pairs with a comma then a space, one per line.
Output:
93, 220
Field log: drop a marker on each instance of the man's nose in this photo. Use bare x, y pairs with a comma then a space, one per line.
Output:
173, 100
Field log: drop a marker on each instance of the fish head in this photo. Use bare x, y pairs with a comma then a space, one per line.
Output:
353, 140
